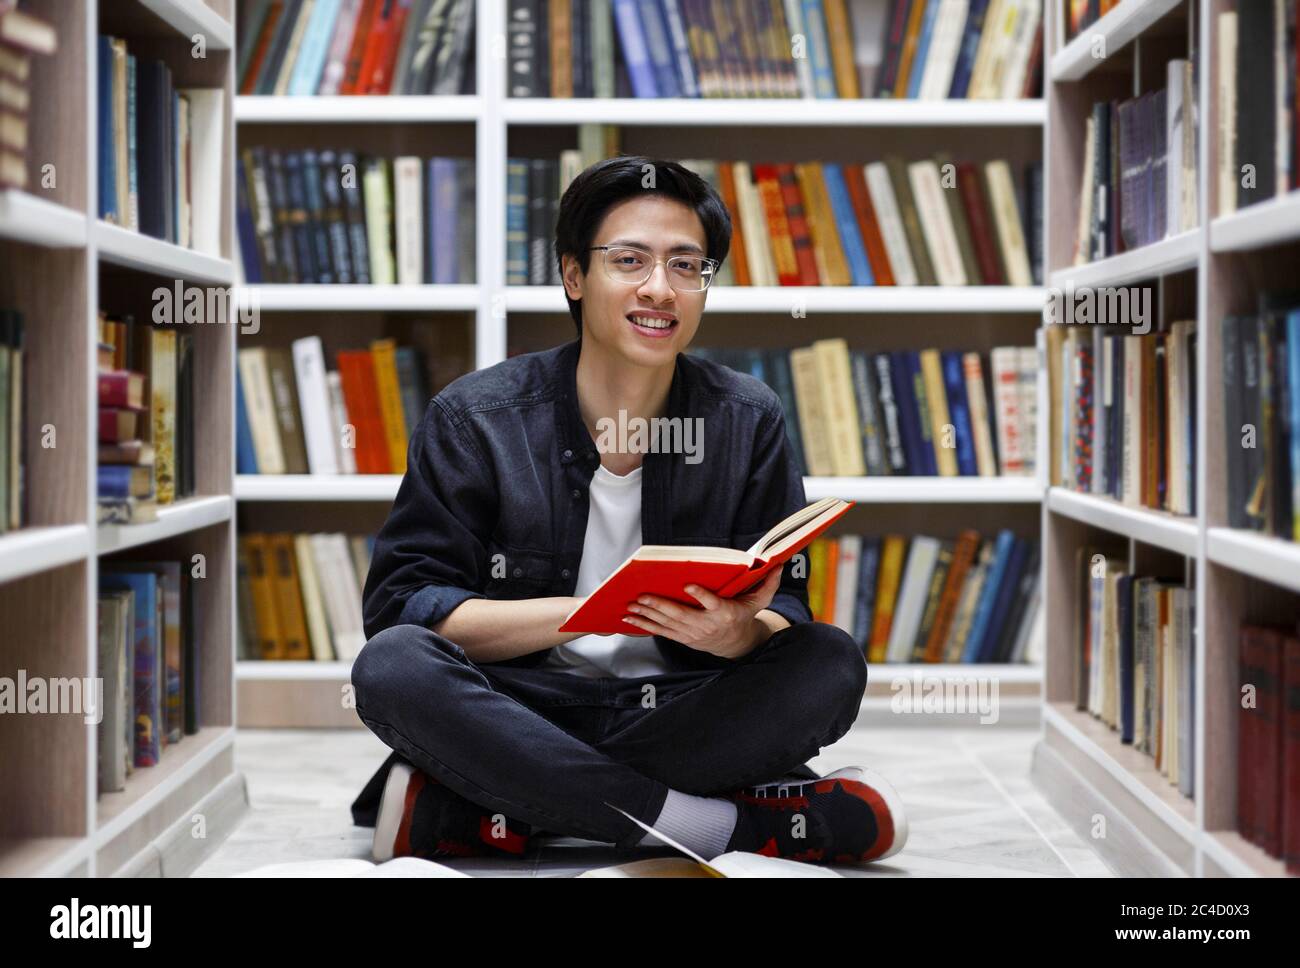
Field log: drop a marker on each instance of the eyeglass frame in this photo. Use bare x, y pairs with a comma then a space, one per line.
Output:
713, 265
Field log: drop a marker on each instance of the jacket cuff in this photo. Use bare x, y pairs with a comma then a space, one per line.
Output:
432, 603
790, 608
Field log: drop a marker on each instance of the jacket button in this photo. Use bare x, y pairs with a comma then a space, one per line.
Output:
568, 454
576, 493
519, 572
565, 573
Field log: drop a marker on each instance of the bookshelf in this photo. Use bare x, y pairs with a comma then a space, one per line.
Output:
1238, 576
487, 320
61, 263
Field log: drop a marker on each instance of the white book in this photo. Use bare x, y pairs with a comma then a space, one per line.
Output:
1131, 477
1175, 118
1227, 93
846, 580
182, 156
1191, 198
255, 380
207, 148
912, 592
1283, 64
1006, 215
1021, 48
1102, 445
1098, 415
758, 248
1029, 407
338, 586
345, 455
945, 46
987, 50
891, 223
409, 209
313, 602
378, 204
314, 405
336, 59
977, 400
1083, 228
936, 223
1005, 364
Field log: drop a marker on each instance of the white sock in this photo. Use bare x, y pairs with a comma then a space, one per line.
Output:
703, 824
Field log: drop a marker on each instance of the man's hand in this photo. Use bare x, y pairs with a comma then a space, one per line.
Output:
725, 627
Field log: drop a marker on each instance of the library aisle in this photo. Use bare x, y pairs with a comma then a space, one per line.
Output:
373, 505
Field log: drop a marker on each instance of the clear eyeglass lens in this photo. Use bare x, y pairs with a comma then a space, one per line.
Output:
685, 272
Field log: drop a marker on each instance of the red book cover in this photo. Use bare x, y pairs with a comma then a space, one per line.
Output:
357, 49
1291, 755
796, 217
778, 225
117, 424
739, 258
665, 570
249, 82
860, 198
981, 232
381, 78
376, 43
121, 388
361, 396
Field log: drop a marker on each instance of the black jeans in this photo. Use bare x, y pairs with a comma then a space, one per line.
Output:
552, 749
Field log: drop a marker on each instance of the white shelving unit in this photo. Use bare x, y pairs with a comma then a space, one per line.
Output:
283, 693
1239, 577
59, 262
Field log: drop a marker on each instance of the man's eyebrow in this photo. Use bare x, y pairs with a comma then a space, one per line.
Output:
680, 247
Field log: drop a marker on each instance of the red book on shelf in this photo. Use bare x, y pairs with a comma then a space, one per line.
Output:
778, 225
376, 43
248, 83
121, 388
881, 271
1291, 754
361, 397
381, 77
797, 216
981, 229
665, 570
739, 259
357, 49
117, 424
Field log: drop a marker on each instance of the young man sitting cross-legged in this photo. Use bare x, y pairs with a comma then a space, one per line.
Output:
515, 506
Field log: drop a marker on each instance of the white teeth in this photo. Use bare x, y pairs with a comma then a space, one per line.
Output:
652, 322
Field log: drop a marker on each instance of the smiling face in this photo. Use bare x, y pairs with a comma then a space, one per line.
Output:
649, 323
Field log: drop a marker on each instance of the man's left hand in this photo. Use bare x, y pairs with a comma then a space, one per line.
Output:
725, 627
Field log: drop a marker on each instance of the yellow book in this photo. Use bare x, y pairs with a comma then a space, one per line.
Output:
891, 569
941, 427
816, 576
383, 352
832, 267
840, 35
814, 421
841, 410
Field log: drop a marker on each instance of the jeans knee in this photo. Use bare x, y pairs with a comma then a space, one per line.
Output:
381, 660
840, 678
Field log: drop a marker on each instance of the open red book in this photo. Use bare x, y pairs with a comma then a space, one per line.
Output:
666, 569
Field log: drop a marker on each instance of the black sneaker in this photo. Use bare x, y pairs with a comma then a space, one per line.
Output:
851, 816
419, 817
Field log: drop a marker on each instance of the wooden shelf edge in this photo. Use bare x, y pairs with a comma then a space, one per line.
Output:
190, 17
28, 551
323, 298
1273, 222
1262, 556
343, 109
1177, 253
1158, 528
135, 250
1122, 24
34, 220
189, 514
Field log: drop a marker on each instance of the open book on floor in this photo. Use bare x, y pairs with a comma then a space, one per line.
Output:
736, 863
665, 570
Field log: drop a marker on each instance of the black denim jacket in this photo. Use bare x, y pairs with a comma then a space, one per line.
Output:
501, 463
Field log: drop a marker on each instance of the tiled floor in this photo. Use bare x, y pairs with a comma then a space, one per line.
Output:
971, 807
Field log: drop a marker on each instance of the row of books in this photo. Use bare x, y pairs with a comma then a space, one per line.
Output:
907, 412
1268, 741
929, 599
302, 47
1139, 169
1123, 413
886, 223
1261, 406
12, 395
22, 36
145, 394
337, 217
1085, 13
148, 661
159, 150
295, 417
300, 595
1259, 105
1135, 665
774, 48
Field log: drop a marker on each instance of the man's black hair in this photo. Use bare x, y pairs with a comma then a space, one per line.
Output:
607, 183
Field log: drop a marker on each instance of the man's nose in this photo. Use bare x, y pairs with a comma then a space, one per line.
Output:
656, 287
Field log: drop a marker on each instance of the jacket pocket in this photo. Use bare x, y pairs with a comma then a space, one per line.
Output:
516, 574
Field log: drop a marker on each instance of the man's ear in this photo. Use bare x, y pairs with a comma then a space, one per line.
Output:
571, 275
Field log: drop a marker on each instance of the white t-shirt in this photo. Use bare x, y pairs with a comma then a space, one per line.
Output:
613, 534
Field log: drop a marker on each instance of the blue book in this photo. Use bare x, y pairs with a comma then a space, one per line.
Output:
970, 42
818, 49
442, 183
248, 250
1003, 600
846, 221
988, 596
636, 55
954, 384
865, 607
108, 207
922, 48
146, 692
929, 463
655, 31
900, 380
1124, 619
245, 455
778, 367
1293, 378
114, 480
516, 222
307, 69
676, 26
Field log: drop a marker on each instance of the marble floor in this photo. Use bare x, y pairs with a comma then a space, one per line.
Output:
971, 807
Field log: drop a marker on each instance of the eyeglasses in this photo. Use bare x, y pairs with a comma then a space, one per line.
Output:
633, 265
